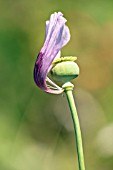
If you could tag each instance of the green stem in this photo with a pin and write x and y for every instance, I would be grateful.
(68, 87)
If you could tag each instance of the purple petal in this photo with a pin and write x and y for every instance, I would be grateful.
(57, 35)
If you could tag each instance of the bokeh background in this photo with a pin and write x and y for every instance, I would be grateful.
(36, 131)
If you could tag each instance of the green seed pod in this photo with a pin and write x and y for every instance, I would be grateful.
(64, 70)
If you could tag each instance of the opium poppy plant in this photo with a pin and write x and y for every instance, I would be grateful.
(62, 69)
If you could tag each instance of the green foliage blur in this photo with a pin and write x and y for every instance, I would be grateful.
(36, 131)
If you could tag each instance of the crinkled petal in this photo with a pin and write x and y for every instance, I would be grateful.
(57, 35)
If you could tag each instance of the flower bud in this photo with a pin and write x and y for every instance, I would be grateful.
(65, 71)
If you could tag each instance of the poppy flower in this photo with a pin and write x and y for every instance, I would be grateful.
(57, 35)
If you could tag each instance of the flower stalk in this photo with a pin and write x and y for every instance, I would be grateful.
(68, 87)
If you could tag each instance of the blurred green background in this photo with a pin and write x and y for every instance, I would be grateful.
(36, 131)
